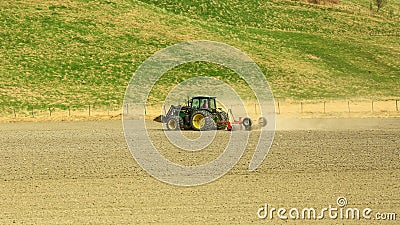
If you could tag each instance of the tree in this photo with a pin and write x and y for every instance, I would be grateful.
(380, 4)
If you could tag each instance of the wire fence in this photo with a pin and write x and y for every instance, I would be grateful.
(348, 106)
(282, 107)
(89, 110)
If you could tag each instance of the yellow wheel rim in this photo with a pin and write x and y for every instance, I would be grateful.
(198, 121)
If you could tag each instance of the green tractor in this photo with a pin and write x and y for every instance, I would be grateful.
(200, 113)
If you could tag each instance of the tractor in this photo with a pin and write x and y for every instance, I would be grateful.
(200, 113)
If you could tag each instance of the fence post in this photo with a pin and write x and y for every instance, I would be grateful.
(50, 111)
(372, 105)
(33, 113)
(15, 114)
(279, 108)
(89, 109)
(324, 107)
(397, 106)
(348, 105)
(69, 111)
(301, 107)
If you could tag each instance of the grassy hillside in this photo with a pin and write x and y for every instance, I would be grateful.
(59, 53)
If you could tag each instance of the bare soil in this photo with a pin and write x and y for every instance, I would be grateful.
(83, 173)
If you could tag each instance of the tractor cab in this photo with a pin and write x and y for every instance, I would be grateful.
(203, 102)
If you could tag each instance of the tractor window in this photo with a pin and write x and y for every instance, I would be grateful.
(204, 103)
(212, 104)
(195, 103)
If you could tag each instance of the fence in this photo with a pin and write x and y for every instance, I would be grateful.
(282, 107)
(317, 108)
(349, 106)
(71, 112)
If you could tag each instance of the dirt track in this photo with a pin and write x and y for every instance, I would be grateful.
(83, 173)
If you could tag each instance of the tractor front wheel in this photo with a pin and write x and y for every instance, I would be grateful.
(202, 120)
(173, 123)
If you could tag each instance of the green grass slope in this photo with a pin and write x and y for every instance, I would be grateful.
(60, 53)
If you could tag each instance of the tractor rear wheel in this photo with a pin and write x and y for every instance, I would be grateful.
(202, 120)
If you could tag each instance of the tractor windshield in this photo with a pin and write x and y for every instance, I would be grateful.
(204, 103)
(195, 103)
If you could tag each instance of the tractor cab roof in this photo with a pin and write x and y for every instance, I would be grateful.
(202, 96)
